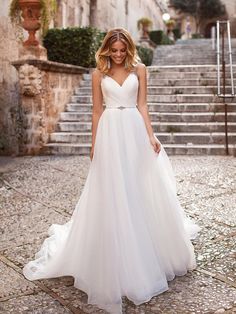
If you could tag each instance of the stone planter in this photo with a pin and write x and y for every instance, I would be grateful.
(31, 15)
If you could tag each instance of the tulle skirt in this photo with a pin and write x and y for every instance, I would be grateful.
(128, 234)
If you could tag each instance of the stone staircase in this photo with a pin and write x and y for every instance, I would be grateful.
(190, 52)
(185, 112)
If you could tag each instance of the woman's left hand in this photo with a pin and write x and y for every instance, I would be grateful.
(155, 143)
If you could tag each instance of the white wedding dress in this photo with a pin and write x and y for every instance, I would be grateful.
(128, 234)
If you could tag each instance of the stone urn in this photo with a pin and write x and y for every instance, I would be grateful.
(31, 15)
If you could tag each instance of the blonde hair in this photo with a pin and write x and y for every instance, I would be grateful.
(104, 51)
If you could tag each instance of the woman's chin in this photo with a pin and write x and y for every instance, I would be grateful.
(118, 62)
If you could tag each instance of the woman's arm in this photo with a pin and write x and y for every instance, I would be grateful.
(142, 105)
(97, 109)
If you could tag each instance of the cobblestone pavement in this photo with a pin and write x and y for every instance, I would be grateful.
(38, 191)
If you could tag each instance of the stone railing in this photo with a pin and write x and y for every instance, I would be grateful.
(45, 89)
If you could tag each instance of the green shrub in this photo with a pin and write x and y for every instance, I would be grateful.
(160, 38)
(75, 45)
(166, 40)
(156, 36)
(196, 36)
(145, 54)
(177, 33)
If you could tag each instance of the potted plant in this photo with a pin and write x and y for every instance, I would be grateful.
(32, 15)
(170, 24)
(145, 23)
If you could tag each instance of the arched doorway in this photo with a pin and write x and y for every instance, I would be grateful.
(207, 31)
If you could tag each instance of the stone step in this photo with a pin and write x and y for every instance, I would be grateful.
(157, 126)
(161, 116)
(160, 107)
(200, 41)
(185, 114)
(172, 61)
(185, 75)
(180, 53)
(167, 90)
(182, 98)
(173, 75)
(189, 82)
(184, 68)
(176, 68)
(171, 149)
(167, 138)
(175, 82)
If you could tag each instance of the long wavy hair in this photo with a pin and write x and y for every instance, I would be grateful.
(103, 53)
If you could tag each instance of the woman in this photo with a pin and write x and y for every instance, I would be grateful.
(128, 235)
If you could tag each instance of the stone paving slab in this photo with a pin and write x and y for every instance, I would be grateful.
(40, 303)
(23, 228)
(12, 283)
(38, 191)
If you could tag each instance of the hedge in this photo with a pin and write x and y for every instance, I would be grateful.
(145, 54)
(160, 38)
(78, 45)
(75, 45)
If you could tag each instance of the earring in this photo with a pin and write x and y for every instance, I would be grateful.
(108, 62)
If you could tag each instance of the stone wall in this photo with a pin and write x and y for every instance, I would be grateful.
(9, 109)
(45, 89)
(108, 14)
(72, 13)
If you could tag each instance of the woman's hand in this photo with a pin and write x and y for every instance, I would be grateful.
(91, 153)
(155, 143)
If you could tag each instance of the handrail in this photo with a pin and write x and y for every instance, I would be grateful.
(221, 30)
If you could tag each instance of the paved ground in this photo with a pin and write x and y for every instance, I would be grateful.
(38, 191)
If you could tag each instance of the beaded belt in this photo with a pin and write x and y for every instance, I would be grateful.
(120, 107)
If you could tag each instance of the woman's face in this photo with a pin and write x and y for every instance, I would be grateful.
(118, 52)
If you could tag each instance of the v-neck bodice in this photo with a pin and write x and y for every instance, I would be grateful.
(115, 95)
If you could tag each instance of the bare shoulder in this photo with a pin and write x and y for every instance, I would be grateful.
(141, 69)
(96, 75)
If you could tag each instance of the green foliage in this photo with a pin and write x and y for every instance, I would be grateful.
(212, 8)
(14, 12)
(200, 9)
(75, 45)
(144, 21)
(48, 10)
(166, 40)
(196, 36)
(160, 38)
(156, 36)
(185, 6)
(145, 54)
(170, 23)
(3, 143)
(177, 33)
